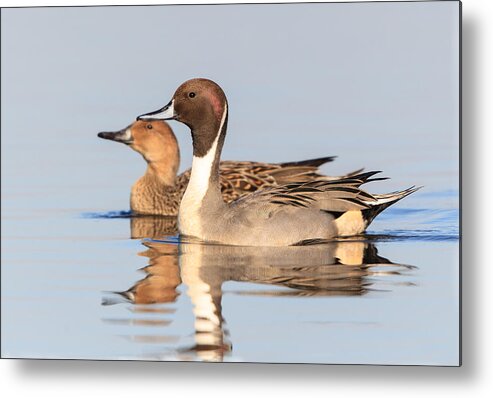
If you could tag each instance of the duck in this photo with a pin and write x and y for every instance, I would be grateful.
(296, 213)
(160, 189)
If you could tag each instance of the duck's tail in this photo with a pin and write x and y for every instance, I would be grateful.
(309, 162)
(383, 201)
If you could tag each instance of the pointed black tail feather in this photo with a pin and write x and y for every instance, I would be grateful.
(387, 200)
(309, 162)
(365, 177)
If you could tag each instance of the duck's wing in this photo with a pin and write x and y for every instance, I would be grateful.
(336, 197)
(242, 177)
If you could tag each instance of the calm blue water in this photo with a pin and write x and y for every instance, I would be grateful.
(79, 280)
(89, 291)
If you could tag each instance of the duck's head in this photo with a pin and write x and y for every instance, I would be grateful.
(154, 140)
(200, 104)
(195, 103)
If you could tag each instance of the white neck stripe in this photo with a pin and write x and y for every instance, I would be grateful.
(198, 186)
(202, 166)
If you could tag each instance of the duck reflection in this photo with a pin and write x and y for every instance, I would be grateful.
(336, 268)
(161, 280)
(152, 226)
(151, 296)
(344, 268)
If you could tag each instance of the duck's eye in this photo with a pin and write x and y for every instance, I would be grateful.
(149, 126)
(191, 95)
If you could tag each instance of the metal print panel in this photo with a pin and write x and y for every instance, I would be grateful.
(328, 234)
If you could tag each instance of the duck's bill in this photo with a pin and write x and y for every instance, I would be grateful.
(167, 112)
(124, 136)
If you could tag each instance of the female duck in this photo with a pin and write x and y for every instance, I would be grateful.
(292, 214)
(160, 190)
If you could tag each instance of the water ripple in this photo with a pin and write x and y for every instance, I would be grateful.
(109, 214)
